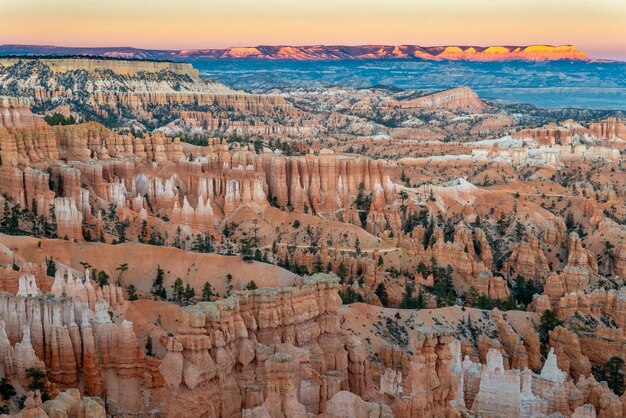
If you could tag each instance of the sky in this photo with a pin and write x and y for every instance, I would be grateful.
(595, 26)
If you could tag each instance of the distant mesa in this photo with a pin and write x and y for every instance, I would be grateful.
(323, 52)
(456, 99)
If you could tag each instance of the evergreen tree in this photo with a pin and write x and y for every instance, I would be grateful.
(121, 228)
(122, 268)
(207, 291)
(178, 241)
(10, 218)
(7, 390)
(37, 378)
(202, 244)
(51, 267)
(143, 233)
(523, 290)
(341, 272)
(189, 293)
(471, 297)
(157, 284)
(102, 278)
(520, 231)
(149, 349)
(381, 292)
(570, 224)
(611, 373)
(362, 204)
(349, 296)
(132, 292)
(409, 301)
(245, 249)
(229, 283)
(357, 246)
(178, 290)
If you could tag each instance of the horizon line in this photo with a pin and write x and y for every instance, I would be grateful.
(620, 57)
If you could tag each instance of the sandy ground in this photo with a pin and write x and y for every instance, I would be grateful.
(142, 260)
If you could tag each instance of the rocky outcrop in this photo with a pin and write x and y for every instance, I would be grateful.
(521, 393)
(57, 335)
(65, 404)
(120, 88)
(528, 260)
(68, 284)
(430, 385)
(611, 128)
(15, 114)
(346, 405)
(546, 136)
(24, 137)
(263, 334)
(619, 260)
(501, 393)
(457, 99)
(568, 351)
(70, 404)
(502, 53)
(69, 219)
(579, 256)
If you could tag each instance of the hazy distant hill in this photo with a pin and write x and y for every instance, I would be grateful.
(323, 52)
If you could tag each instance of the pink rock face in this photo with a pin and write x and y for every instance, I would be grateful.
(294, 351)
(529, 394)
(457, 99)
(568, 351)
(69, 219)
(578, 256)
(60, 338)
(528, 260)
(547, 136)
(346, 404)
(619, 257)
(280, 338)
(25, 137)
(15, 114)
(611, 128)
(70, 402)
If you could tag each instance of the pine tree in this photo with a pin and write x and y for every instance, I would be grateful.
(245, 248)
(50, 228)
(207, 291)
(610, 372)
(131, 290)
(178, 291)
(229, 284)
(569, 221)
(102, 278)
(189, 293)
(143, 233)
(10, 218)
(149, 348)
(178, 241)
(381, 292)
(157, 284)
(409, 301)
(471, 297)
(341, 272)
(51, 267)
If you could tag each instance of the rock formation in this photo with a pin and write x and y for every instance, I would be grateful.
(457, 99)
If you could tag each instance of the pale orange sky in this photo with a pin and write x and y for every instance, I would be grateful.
(596, 26)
